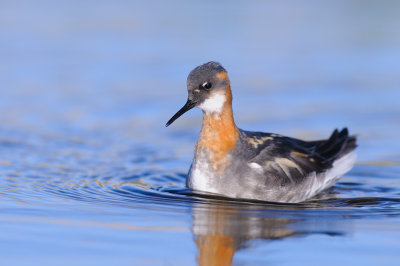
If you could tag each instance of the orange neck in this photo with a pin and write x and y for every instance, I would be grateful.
(219, 134)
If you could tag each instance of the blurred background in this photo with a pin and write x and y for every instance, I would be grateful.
(297, 67)
(86, 88)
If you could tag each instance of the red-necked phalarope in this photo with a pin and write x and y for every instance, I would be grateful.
(256, 165)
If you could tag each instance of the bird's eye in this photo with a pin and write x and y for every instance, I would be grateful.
(206, 85)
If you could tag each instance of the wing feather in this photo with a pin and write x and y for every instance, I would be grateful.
(289, 161)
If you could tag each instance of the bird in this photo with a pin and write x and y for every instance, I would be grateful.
(247, 165)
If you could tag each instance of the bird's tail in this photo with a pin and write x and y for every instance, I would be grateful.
(338, 145)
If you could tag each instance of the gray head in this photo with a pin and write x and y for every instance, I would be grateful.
(206, 85)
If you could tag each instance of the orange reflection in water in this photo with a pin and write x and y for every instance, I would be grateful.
(221, 230)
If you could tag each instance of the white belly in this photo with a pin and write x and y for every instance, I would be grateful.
(201, 178)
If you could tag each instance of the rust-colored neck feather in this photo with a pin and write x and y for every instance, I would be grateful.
(219, 134)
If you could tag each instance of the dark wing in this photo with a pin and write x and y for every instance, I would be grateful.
(291, 160)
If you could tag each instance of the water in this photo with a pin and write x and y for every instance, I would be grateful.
(90, 175)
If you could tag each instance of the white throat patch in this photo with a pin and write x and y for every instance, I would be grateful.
(213, 104)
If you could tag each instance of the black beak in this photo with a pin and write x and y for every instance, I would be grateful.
(188, 105)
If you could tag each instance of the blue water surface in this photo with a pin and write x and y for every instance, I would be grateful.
(89, 175)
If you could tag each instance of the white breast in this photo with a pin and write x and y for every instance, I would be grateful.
(200, 177)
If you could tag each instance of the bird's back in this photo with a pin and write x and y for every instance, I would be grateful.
(294, 170)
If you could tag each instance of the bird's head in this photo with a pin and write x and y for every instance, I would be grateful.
(208, 88)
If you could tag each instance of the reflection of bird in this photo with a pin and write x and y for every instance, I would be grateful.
(220, 230)
(256, 165)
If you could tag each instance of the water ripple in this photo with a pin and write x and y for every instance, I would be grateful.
(168, 191)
